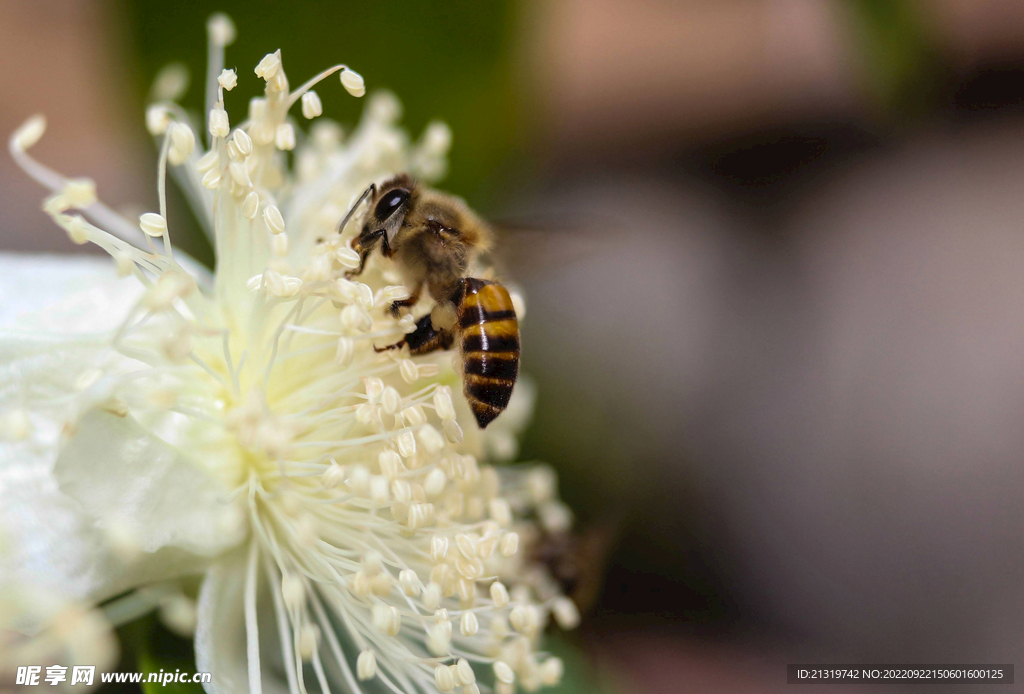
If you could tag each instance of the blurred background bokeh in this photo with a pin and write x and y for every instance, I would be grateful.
(776, 313)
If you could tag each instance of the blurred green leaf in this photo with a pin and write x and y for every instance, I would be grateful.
(582, 676)
(903, 66)
(449, 61)
(149, 647)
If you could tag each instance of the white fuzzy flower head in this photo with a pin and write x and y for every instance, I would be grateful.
(375, 545)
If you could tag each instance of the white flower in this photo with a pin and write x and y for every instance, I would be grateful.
(239, 423)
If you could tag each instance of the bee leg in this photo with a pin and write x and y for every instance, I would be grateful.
(364, 244)
(396, 306)
(423, 340)
(362, 266)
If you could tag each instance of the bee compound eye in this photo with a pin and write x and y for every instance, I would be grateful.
(391, 202)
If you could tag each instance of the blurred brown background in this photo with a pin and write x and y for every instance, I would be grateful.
(782, 341)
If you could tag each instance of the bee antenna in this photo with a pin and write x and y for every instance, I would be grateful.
(370, 191)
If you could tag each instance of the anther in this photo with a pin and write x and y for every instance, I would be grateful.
(509, 544)
(406, 443)
(278, 83)
(524, 619)
(293, 592)
(355, 319)
(158, 119)
(80, 193)
(284, 137)
(409, 582)
(438, 548)
(269, 66)
(243, 142)
(394, 293)
(402, 491)
(464, 673)
(228, 79)
(391, 400)
(308, 637)
(240, 174)
(272, 216)
(251, 205)
(414, 416)
(566, 613)
(221, 29)
(387, 619)
(437, 139)
(409, 371)
(380, 492)
(503, 673)
(542, 483)
(432, 596)
(374, 388)
(431, 440)
(555, 516)
(220, 126)
(279, 245)
(359, 479)
(435, 482)
(390, 464)
(346, 350)
(500, 511)
(153, 224)
(211, 179)
(347, 258)
(333, 475)
(353, 82)
(443, 404)
(469, 624)
(366, 665)
(453, 431)
(443, 678)
(183, 142)
(169, 287)
(551, 671)
(29, 133)
(207, 161)
(282, 286)
(311, 105)
(420, 515)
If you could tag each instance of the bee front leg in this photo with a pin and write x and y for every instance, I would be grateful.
(396, 306)
(364, 245)
(423, 340)
(362, 266)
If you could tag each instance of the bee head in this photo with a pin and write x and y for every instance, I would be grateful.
(387, 211)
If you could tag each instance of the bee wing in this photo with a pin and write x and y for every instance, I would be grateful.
(594, 550)
(577, 559)
(523, 248)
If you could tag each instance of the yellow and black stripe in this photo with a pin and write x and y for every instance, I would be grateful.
(490, 346)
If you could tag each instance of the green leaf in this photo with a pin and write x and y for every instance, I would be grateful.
(148, 662)
(155, 650)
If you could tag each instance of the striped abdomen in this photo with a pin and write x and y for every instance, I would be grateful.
(490, 346)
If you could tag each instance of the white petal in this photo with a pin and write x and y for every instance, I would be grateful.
(49, 539)
(63, 293)
(113, 476)
(45, 539)
(119, 471)
(47, 542)
(220, 630)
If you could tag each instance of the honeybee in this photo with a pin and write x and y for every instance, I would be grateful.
(433, 237)
(576, 560)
